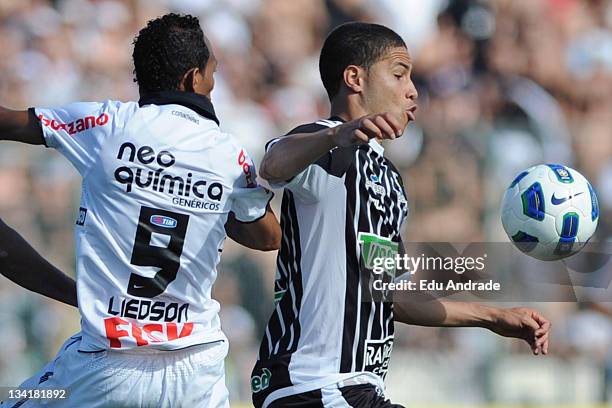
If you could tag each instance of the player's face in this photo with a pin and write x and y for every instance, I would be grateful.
(207, 82)
(389, 88)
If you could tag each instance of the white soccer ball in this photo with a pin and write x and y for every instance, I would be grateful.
(550, 211)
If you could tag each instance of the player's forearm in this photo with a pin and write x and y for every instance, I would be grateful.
(11, 122)
(441, 313)
(262, 235)
(20, 263)
(292, 154)
(468, 314)
(20, 126)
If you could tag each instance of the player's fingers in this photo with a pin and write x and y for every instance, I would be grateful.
(535, 348)
(387, 131)
(369, 128)
(543, 347)
(542, 330)
(542, 321)
(541, 339)
(394, 122)
(360, 136)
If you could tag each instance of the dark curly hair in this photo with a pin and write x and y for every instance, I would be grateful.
(353, 43)
(166, 49)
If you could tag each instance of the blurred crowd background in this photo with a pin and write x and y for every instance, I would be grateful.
(503, 84)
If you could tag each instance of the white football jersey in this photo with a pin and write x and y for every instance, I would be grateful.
(159, 179)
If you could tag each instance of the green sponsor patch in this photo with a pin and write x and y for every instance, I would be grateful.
(374, 249)
(261, 382)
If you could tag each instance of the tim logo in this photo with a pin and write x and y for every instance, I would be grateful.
(163, 221)
(377, 356)
(82, 216)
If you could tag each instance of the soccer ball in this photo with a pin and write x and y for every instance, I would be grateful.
(549, 211)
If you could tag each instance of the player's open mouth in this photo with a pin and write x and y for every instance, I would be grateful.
(410, 113)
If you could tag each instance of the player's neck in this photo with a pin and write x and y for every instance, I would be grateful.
(347, 109)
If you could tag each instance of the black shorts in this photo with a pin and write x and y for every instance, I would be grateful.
(353, 396)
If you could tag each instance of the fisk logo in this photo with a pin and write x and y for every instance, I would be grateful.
(556, 201)
(163, 221)
(261, 382)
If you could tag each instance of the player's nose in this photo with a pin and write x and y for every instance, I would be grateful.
(411, 92)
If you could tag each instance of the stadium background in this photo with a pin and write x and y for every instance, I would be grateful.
(503, 85)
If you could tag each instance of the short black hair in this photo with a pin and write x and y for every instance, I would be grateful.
(355, 43)
(167, 48)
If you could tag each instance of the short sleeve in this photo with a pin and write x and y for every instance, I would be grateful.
(249, 199)
(76, 130)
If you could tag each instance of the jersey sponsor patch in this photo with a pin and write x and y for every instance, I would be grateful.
(261, 382)
(375, 184)
(184, 188)
(163, 221)
(76, 126)
(117, 328)
(377, 356)
(375, 249)
(248, 169)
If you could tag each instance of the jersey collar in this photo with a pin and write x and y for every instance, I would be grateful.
(374, 145)
(196, 102)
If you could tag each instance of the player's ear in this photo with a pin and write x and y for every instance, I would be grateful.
(189, 82)
(353, 76)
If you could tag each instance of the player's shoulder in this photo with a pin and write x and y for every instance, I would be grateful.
(231, 153)
(104, 105)
(119, 108)
(119, 105)
(111, 111)
(227, 142)
(104, 111)
(315, 126)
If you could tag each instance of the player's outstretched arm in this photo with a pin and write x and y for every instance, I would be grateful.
(291, 154)
(20, 126)
(522, 323)
(21, 263)
(262, 235)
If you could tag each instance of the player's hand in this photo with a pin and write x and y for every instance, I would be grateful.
(358, 131)
(524, 323)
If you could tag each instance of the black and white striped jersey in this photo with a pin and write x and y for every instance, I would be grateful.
(326, 328)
